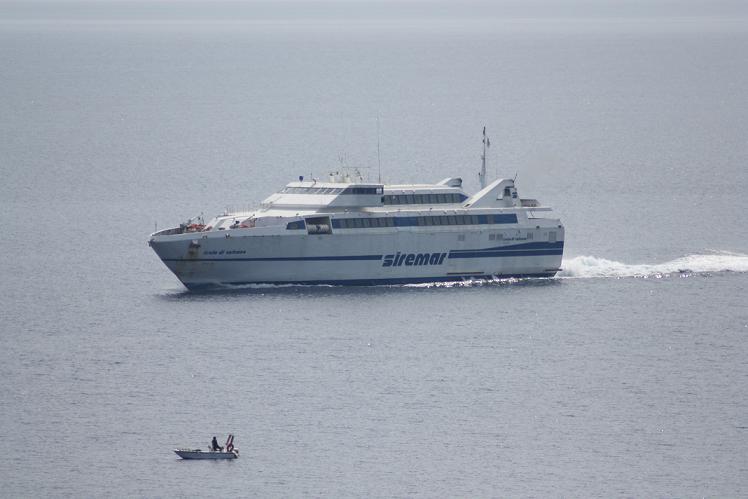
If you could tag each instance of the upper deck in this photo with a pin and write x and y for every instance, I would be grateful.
(341, 203)
(339, 194)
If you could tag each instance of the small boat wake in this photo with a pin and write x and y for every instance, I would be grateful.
(590, 266)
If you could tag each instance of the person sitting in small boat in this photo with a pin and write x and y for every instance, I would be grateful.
(214, 445)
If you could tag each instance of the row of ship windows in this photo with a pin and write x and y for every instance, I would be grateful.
(331, 190)
(449, 197)
(426, 221)
(499, 236)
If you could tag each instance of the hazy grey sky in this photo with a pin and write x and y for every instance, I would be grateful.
(365, 9)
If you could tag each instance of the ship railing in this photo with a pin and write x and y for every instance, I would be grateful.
(169, 232)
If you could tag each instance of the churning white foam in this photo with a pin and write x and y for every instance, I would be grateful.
(590, 266)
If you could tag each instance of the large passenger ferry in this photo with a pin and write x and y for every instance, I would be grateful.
(347, 231)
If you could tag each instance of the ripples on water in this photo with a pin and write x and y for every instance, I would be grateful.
(615, 378)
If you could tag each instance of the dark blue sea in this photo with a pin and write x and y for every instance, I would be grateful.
(625, 376)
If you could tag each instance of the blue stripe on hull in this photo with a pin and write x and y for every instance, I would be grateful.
(528, 249)
(277, 259)
(495, 254)
(378, 282)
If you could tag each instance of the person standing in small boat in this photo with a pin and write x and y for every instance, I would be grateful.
(214, 445)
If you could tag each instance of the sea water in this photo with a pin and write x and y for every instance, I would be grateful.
(624, 376)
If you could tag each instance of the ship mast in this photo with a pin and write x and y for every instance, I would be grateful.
(379, 161)
(482, 174)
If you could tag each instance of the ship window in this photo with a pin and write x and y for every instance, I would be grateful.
(360, 190)
(492, 237)
(366, 223)
(295, 225)
(318, 225)
(357, 223)
(530, 235)
(452, 220)
(390, 222)
(443, 220)
(421, 221)
(410, 199)
(441, 198)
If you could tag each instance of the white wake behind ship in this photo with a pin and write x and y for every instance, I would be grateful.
(345, 231)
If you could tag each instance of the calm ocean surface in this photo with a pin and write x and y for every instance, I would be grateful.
(625, 376)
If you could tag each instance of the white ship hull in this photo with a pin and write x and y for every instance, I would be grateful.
(359, 233)
(382, 256)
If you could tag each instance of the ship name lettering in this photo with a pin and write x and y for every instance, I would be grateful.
(413, 259)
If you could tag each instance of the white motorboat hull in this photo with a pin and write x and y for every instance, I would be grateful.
(199, 454)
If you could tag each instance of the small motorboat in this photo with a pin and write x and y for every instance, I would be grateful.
(214, 452)
(209, 454)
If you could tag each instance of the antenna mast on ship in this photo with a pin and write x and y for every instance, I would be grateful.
(482, 174)
(379, 161)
